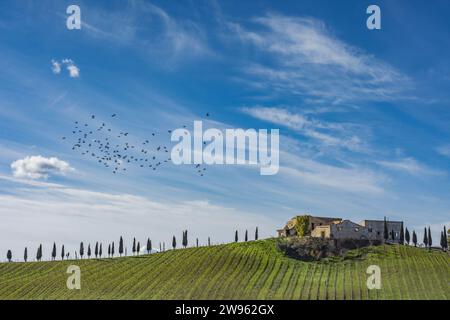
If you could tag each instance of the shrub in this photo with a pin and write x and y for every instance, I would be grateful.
(302, 225)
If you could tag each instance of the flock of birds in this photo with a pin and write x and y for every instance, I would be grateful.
(100, 142)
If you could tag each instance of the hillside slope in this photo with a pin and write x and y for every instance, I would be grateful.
(252, 270)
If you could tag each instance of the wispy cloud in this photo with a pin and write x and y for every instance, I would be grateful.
(28, 182)
(164, 34)
(327, 133)
(410, 166)
(308, 60)
(350, 178)
(444, 150)
(38, 167)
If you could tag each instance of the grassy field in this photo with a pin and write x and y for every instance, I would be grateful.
(252, 270)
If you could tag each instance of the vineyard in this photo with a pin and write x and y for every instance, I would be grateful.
(250, 270)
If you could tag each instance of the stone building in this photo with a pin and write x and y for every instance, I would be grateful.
(345, 229)
(290, 229)
(336, 228)
(377, 228)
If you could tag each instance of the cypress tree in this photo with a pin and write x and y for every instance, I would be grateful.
(385, 231)
(425, 237)
(236, 236)
(40, 252)
(185, 240)
(160, 248)
(174, 242)
(430, 240)
(164, 246)
(96, 250)
(445, 238)
(209, 241)
(134, 246)
(149, 246)
(81, 250)
(109, 250)
(407, 238)
(112, 249)
(256, 233)
(25, 254)
(197, 242)
(182, 239)
(54, 251)
(121, 246)
(9, 255)
(442, 243)
(100, 251)
(414, 238)
(37, 254)
(246, 236)
(392, 235)
(402, 235)
(138, 248)
(62, 252)
(89, 250)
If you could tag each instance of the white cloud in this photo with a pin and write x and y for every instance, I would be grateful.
(348, 179)
(74, 71)
(38, 167)
(307, 60)
(444, 150)
(56, 67)
(329, 134)
(411, 166)
(170, 37)
(29, 182)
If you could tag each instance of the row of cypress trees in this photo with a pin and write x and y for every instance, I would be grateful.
(98, 249)
(405, 237)
(236, 235)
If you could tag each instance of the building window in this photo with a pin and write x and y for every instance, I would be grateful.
(322, 234)
(370, 230)
(312, 225)
(378, 233)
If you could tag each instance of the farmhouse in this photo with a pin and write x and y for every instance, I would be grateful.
(336, 228)
(290, 229)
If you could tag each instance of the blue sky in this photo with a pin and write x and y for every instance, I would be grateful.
(363, 115)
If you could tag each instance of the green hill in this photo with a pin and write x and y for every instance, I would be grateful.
(252, 270)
